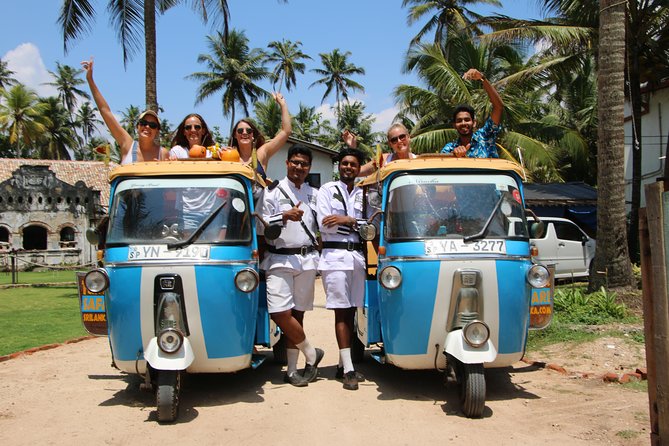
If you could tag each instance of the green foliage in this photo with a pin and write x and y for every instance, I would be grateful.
(31, 317)
(52, 276)
(599, 307)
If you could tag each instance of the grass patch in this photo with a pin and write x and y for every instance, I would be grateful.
(30, 277)
(627, 434)
(31, 317)
(638, 386)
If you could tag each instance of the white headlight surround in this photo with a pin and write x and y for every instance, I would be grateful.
(246, 280)
(97, 280)
(476, 333)
(390, 277)
(538, 276)
(170, 340)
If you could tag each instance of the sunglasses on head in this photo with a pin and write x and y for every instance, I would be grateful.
(241, 131)
(150, 124)
(193, 127)
(394, 139)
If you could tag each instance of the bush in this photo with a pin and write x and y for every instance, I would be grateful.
(600, 307)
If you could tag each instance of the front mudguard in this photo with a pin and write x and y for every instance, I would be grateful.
(457, 347)
(159, 360)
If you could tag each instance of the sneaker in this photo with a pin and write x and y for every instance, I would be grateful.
(340, 375)
(350, 381)
(295, 379)
(310, 372)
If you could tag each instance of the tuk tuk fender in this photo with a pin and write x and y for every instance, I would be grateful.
(159, 360)
(456, 346)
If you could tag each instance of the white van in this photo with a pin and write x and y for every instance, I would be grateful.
(567, 246)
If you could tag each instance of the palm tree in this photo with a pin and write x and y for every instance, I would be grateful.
(336, 74)
(6, 76)
(59, 135)
(307, 123)
(165, 133)
(446, 15)
(354, 118)
(129, 118)
(286, 54)
(234, 69)
(20, 114)
(66, 81)
(87, 121)
(612, 255)
(134, 20)
(268, 116)
(520, 86)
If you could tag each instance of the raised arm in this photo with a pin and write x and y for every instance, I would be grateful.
(493, 95)
(122, 137)
(267, 150)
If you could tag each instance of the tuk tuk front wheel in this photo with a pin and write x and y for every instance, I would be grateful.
(471, 386)
(167, 395)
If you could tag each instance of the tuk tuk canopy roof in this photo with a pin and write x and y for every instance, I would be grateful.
(191, 167)
(437, 161)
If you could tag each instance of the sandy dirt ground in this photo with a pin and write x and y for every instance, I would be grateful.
(71, 395)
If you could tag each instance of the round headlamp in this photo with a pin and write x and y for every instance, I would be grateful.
(390, 277)
(538, 276)
(476, 333)
(246, 280)
(170, 340)
(97, 280)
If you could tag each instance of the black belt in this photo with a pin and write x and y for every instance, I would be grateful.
(349, 246)
(303, 250)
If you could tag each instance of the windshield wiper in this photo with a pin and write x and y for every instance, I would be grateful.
(482, 233)
(199, 230)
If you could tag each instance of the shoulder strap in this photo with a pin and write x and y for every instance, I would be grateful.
(311, 236)
(341, 198)
(133, 151)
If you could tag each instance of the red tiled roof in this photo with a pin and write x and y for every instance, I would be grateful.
(94, 173)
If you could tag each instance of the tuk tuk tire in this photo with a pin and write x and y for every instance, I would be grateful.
(471, 381)
(279, 350)
(167, 395)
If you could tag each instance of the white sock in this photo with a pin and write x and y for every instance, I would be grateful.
(292, 354)
(308, 350)
(345, 359)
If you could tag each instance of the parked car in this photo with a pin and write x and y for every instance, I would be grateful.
(567, 246)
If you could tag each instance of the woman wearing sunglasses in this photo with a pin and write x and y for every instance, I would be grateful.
(146, 148)
(245, 134)
(192, 131)
(398, 140)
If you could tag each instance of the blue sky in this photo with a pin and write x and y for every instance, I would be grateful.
(374, 31)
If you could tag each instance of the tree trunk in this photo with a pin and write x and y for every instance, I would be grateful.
(612, 264)
(150, 48)
(635, 99)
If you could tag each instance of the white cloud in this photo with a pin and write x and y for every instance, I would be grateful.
(384, 119)
(327, 111)
(26, 62)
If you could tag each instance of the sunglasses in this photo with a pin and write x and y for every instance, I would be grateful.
(193, 127)
(241, 131)
(297, 163)
(150, 124)
(394, 139)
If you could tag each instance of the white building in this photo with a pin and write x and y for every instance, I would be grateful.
(655, 138)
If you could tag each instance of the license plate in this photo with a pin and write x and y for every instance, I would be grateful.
(458, 246)
(152, 252)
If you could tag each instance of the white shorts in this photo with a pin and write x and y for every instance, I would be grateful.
(344, 289)
(288, 289)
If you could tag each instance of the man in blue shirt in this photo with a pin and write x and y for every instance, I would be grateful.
(479, 143)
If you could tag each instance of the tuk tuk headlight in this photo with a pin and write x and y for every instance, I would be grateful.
(476, 333)
(538, 276)
(170, 340)
(246, 280)
(97, 280)
(390, 277)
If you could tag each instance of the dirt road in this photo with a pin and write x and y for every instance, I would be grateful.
(71, 395)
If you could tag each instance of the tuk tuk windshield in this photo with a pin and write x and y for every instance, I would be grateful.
(421, 206)
(167, 210)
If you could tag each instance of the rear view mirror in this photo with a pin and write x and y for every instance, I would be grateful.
(367, 232)
(272, 232)
(92, 236)
(537, 229)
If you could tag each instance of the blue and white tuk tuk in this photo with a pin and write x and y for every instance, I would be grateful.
(180, 273)
(452, 284)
